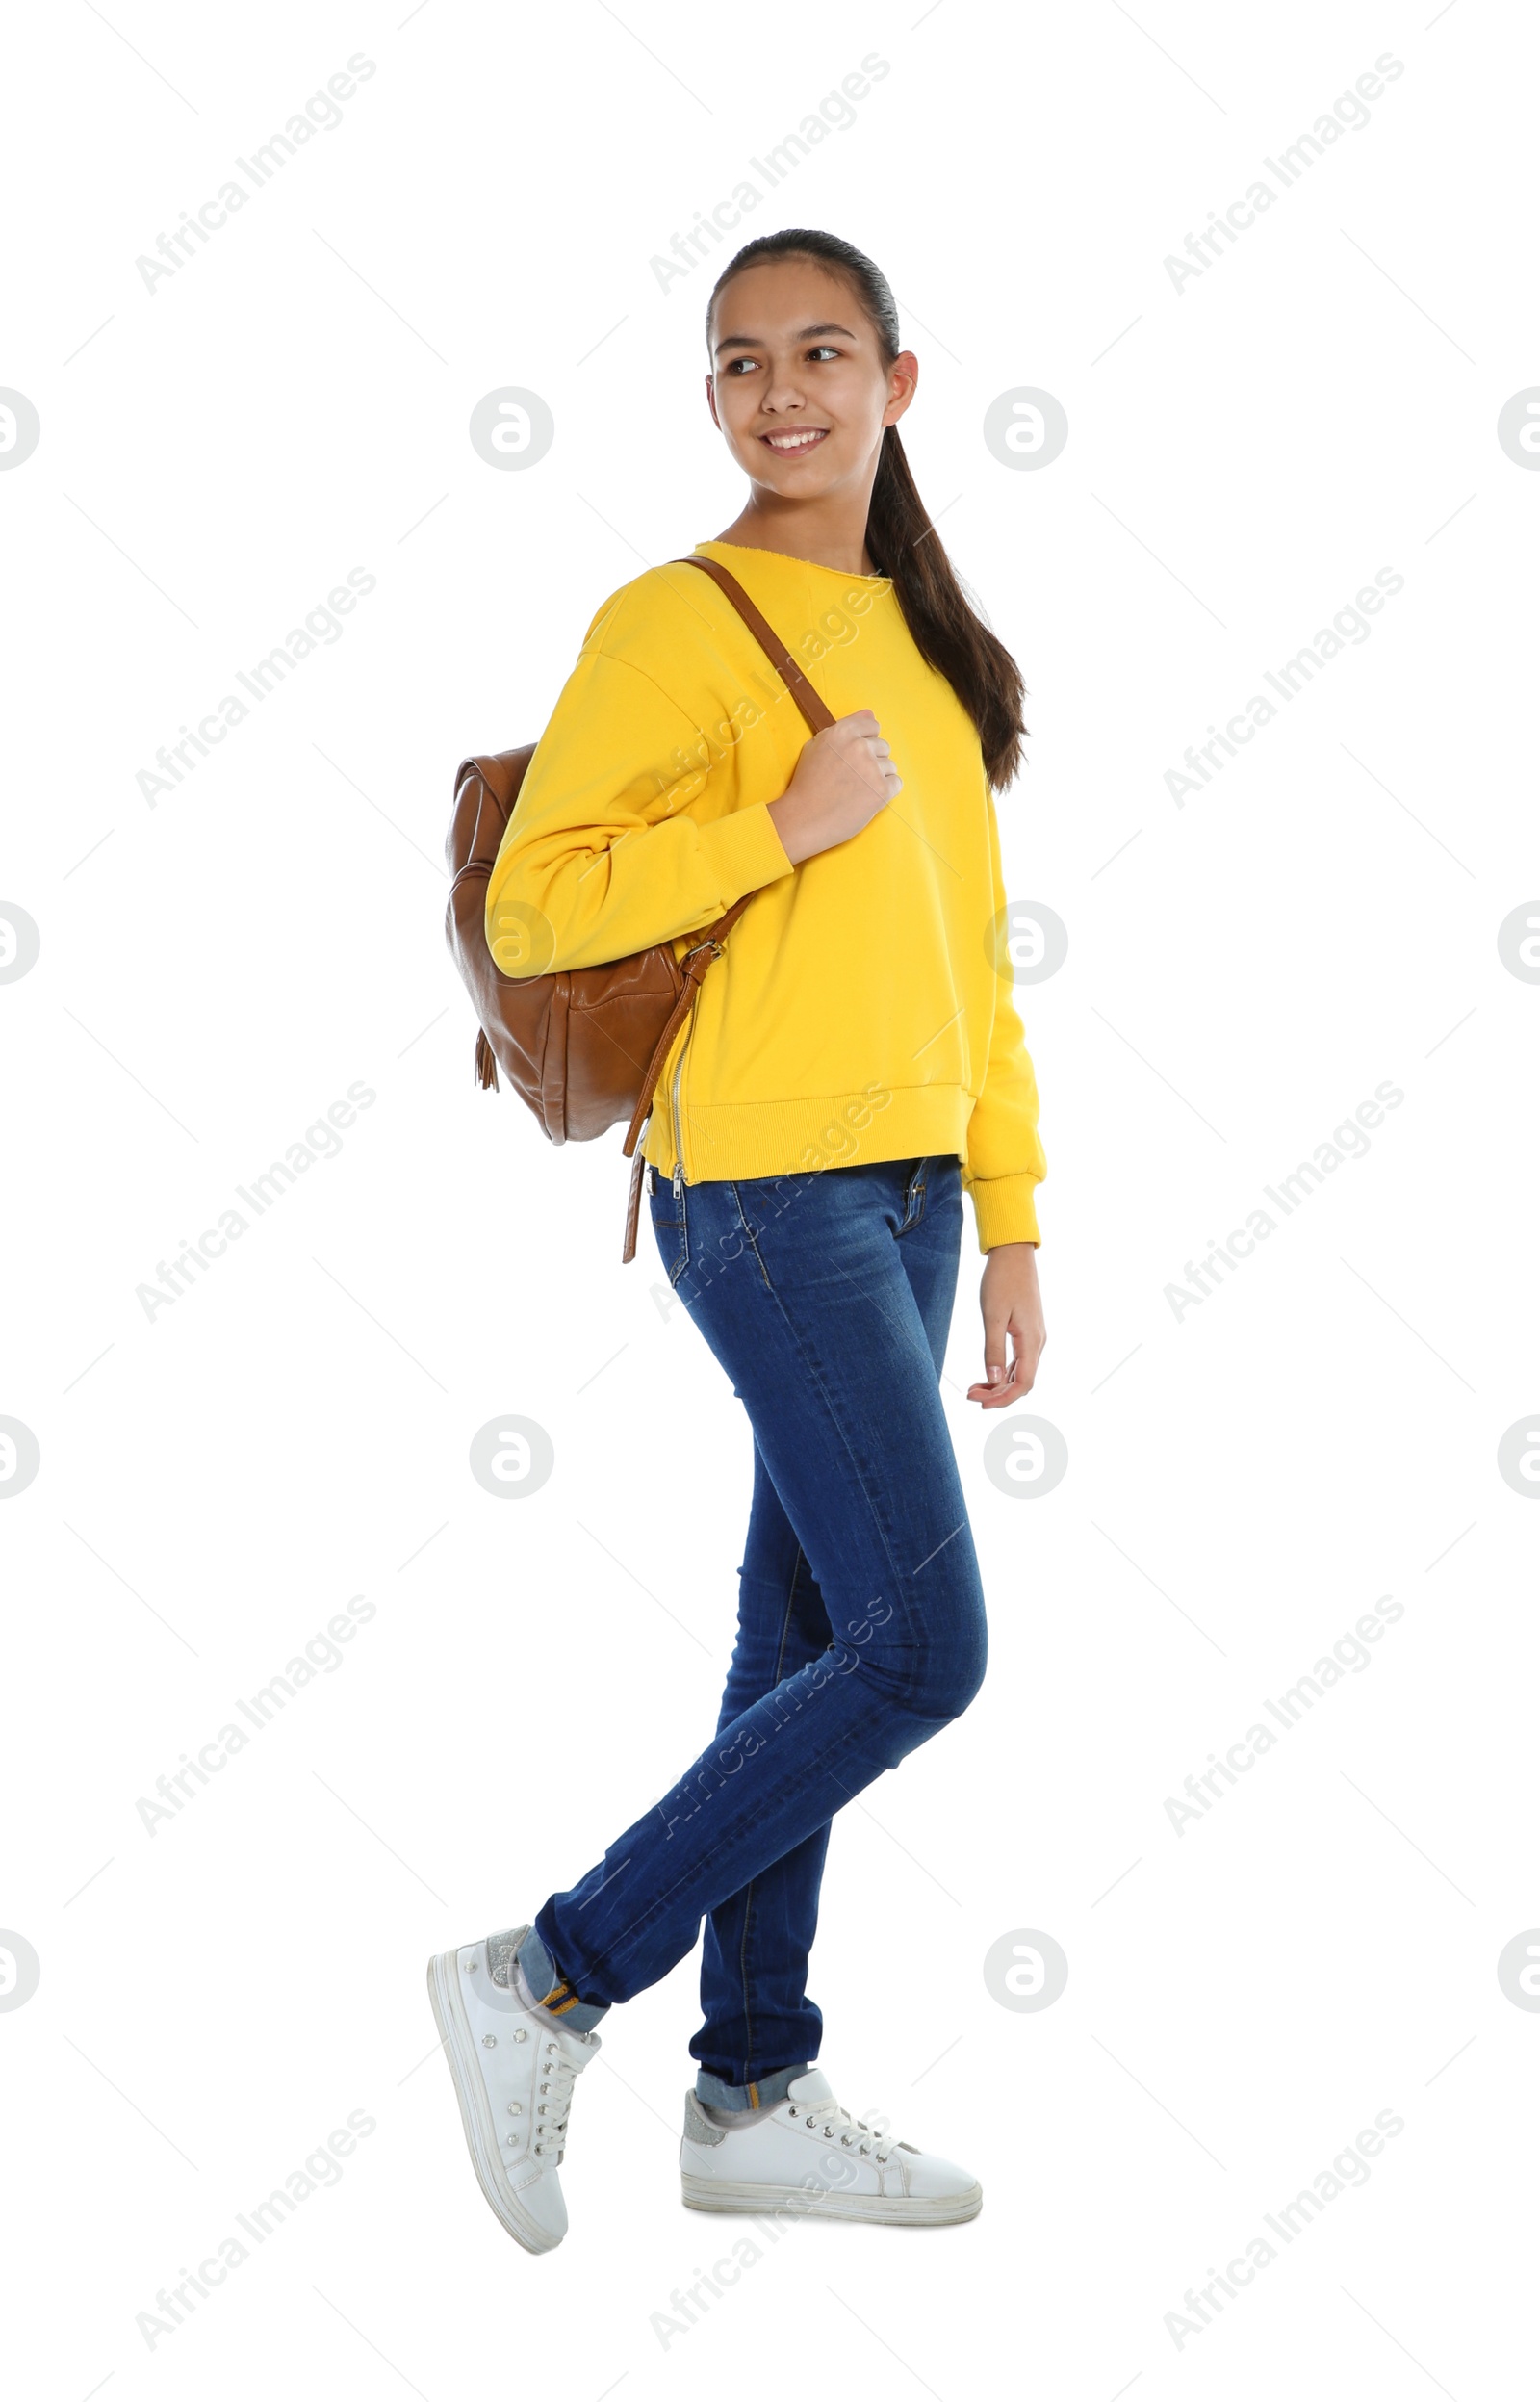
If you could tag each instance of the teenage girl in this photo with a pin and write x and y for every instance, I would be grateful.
(855, 1062)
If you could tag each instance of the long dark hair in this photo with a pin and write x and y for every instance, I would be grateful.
(948, 632)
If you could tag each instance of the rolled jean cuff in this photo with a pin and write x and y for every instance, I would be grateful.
(553, 1991)
(760, 2096)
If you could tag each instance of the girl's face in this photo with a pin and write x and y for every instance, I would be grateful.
(797, 383)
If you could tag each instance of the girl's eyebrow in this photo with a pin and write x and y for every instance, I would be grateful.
(756, 341)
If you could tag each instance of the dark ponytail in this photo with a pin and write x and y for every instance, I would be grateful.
(949, 634)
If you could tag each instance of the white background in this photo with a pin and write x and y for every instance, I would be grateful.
(1243, 455)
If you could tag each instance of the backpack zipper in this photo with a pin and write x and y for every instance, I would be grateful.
(674, 1105)
(712, 945)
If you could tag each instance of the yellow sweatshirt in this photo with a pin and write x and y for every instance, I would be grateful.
(858, 1011)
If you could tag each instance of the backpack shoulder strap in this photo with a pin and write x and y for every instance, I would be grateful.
(764, 633)
(707, 943)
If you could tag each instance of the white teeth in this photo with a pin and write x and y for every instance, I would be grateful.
(794, 442)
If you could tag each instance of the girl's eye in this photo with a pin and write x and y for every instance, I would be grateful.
(819, 350)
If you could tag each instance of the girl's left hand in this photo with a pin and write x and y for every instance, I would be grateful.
(1012, 1305)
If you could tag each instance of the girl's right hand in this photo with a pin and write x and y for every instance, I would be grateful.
(844, 775)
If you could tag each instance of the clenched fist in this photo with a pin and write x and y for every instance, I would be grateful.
(844, 775)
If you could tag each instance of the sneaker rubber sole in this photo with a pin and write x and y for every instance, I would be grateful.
(710, 2193)
(476, 2112)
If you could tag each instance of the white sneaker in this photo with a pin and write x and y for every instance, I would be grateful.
(514, 2069)
(811, 2158)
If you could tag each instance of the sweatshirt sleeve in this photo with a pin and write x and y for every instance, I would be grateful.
(1005, 1161)
(602, 855)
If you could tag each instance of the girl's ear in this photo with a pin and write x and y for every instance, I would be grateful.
(711, 401)
(902, 378)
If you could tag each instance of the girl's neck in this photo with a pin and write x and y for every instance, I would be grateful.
(830, 533)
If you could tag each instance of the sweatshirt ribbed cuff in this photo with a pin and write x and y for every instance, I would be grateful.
(1005, 1210)
(742, 851)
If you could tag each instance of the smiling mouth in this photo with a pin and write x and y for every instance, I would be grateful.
(795, 445)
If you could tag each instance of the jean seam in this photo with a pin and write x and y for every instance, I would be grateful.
(748, 1891)
(749, 1238)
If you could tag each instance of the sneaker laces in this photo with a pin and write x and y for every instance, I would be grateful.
(852, 2132)
(557, 2076)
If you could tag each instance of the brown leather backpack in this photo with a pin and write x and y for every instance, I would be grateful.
(584, 1047)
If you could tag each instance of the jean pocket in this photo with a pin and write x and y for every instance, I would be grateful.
(671, 1228)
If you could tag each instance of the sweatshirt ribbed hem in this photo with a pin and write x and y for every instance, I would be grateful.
(734, 1140)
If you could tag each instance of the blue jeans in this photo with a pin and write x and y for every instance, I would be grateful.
(827, 1298)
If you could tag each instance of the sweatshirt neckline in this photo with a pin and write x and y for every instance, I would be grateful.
(750, 550)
